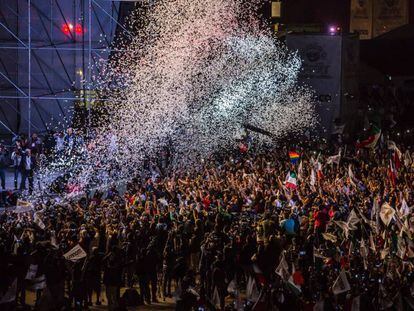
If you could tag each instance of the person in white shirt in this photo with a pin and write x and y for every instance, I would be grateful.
(16, 158)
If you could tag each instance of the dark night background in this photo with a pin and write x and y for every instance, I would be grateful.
(326, 12)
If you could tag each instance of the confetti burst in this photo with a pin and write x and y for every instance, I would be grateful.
(193, 75)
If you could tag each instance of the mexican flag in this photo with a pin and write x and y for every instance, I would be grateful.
(392, 173)
(372, 139)
(291, 180)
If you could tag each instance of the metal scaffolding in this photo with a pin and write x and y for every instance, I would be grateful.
(49, 55)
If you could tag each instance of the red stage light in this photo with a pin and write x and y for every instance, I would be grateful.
(79, 29)
(67, 28)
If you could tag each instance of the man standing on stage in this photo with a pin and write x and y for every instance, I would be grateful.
(28, 166)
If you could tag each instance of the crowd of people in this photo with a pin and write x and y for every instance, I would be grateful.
(23, 155)
(329, 228)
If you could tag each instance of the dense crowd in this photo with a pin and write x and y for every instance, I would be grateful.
(325, 230)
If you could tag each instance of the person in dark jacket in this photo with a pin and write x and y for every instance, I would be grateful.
(3, 166)
(16, 158)
(28, 165)
(92, 270)
(112, 265)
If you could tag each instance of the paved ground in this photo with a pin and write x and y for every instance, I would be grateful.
(10, 179)
(162, 305)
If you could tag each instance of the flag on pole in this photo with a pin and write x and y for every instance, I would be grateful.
(395, 153)
(329, 237)
(283, 268)
(334, 159)
(341, 284)
(392, 173)
(386, 213)
(353, 220)
(300, 171)
(313, 178)
(351, 175)
(344, 226)
(405, 209)
(375, 208)
(372, 243)
(291, 180)
(294, 157)
(319, 172)
(407, 158)
(372, 139)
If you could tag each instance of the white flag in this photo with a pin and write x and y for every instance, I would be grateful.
(31, 272)
(405, 209)
(351, 175)
(384, 252)
(386, 213)
(300, 170)
(375, 208)
(401, 248)
(407, 158)
(75, 254)
(216, 298)
(392, 146)
(23, 207)
(363, 250)
(330, 237)
(334, 159)
(232, 287)
(410, 248)
(344, 226)
(283, 268)
(313, 178)
(353, 220)
(341, 284)
(252, 292)
(38, 221)
(163, 201)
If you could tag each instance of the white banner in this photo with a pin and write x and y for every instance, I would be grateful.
(321, 69)
(75, 253)
(23, 207)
